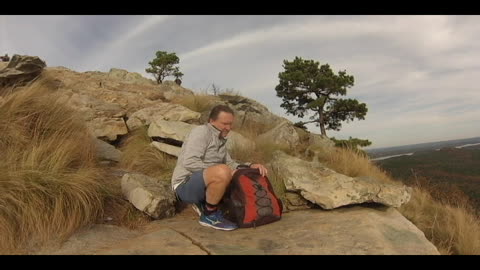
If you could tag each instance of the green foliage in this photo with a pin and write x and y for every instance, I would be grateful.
(306, 87)
(301, 125)
(164, 65)
(351, 143)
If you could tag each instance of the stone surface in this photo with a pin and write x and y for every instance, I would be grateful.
(108, 128)
(283, 134)
(155, 198)
(169, 129)
(106, 151)
(330, 189)
(167, 148)
(161, 111)
(21, 69)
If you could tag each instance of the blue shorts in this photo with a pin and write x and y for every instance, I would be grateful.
(193, 189)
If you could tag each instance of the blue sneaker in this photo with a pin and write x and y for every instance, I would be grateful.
(198, 208)
(217, 221)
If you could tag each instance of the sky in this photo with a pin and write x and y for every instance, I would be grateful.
(417, 74)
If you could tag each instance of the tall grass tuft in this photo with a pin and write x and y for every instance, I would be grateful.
(49, 179)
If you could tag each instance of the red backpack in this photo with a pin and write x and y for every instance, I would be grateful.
(251, 201)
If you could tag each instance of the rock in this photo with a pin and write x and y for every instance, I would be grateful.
(162, 242)
(354, 230)
(167, 148)
(171, 90)
(161, 111)
(295, 202)
(108, 128)
(329, 189)
(106, 151)
(317, 140)
(155, 198)
(129, 77)
(236, 139)
(169, 129)
(283, 134)
(249, 110)
(3, 65)
(88, 240)
(21, 69)
(1, 99)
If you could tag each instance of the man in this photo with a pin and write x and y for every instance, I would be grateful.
(204, 168)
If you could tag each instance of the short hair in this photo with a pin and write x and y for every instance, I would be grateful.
(217, 109)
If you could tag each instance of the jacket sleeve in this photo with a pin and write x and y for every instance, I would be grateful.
(194, 150)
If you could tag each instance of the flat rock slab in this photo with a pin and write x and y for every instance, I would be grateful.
(349, 230)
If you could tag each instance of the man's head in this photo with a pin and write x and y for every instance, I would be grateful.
(222, 118)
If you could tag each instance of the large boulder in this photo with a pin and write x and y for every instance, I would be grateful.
(283, 134)
(169, 129)
(107, 128)
(167, 148)
(155, 198)
(329, 189)
(161, 111)
(21, 69)
(129, 77)
(320, 141)
(107, 152)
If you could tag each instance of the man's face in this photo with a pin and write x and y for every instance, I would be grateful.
(223, 123)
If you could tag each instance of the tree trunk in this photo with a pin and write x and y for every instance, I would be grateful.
(322, 124)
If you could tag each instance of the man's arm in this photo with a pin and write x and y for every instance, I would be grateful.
(194, 150)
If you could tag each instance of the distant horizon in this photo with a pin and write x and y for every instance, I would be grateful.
(439, 141)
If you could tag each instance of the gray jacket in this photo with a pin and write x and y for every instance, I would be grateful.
(202, 148)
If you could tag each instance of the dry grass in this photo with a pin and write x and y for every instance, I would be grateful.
(349, 162)
(198, 102)
(49, 179)
(444, 215)
(139, 156)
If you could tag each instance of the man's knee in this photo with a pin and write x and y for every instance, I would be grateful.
(221, 173)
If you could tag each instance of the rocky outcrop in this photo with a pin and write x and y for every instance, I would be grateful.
(161, 111)
(329, 189)
(171, 90)
(169, 129)
(21, 69)
(128, 77)
(155, 198)
(283, 134)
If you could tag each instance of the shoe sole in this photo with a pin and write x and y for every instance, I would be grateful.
(218, 228)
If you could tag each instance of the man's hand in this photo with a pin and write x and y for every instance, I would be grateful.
(260, 167)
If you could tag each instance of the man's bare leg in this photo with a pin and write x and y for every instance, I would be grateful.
(216, 178)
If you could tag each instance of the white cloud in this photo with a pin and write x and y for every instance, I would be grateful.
(417, 74)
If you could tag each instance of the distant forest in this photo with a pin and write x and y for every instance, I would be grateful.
(445, 168)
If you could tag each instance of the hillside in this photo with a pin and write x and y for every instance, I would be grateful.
(88, 157)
